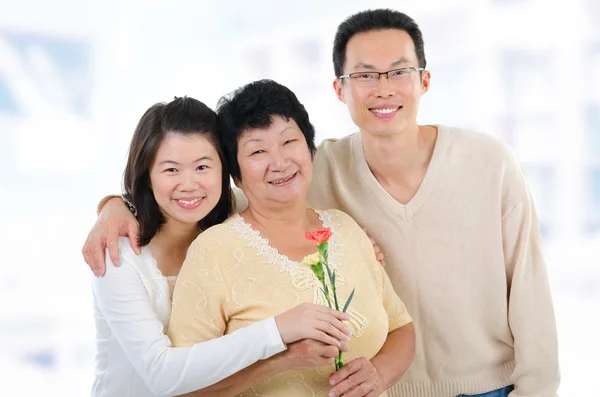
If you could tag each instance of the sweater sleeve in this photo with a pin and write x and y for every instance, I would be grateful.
(530, 309)
(127, 308)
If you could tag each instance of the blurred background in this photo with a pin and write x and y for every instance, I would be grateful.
(75, 77)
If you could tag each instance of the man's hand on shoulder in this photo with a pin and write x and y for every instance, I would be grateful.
(115, 219)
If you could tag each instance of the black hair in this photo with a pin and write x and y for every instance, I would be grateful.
(253, 106)
(373, 20)
(185, 116)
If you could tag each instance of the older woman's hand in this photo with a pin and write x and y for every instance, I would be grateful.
(309, 354)
(310, 321)
(358, 378)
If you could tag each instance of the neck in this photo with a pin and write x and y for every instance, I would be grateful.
(292, 216)
(174, 238)
(396, 156)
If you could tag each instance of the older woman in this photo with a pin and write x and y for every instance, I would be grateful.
(248, 268)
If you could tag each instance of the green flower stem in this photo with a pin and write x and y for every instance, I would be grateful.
(339, 362)
(322, 248)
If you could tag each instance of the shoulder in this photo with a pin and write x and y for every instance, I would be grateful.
(335, 153)
(214, 240)
(133, 270)
(336, 144)
(334, 149)
(128, 259)
(490, 158)
(479, 145)
(336, 219)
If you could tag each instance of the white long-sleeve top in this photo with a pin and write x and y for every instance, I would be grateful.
(132, 305)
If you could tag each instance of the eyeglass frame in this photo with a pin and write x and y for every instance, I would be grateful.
(349, 75)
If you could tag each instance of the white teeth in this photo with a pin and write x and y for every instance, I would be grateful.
(194, 201)
(280, 181)
(385, 111)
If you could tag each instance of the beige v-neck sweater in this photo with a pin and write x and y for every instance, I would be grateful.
(464, 255)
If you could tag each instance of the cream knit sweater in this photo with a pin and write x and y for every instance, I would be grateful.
(465, 257)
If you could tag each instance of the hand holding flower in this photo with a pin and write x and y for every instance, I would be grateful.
(318, 262)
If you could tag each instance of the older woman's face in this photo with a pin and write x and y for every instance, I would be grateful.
(275, 163)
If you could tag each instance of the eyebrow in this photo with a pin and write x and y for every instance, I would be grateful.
(362, 65)
(289, 127)
(176, 163)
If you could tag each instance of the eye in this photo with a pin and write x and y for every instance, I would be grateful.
(364, 76)
(202, 167)
(257, 152)
(400, 73)
(170, 170)
(289, 141)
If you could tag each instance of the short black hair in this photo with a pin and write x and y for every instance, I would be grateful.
(186, 116)
(373, 20)
(253, 106)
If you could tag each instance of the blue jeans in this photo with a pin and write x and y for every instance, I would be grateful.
(494, 393)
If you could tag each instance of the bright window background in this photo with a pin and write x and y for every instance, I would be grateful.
(75, 76)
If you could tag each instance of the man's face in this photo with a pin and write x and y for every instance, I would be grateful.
(388, 107)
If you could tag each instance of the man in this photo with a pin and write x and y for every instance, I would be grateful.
(451, 211)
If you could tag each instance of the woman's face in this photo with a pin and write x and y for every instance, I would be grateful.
(275, 163)
(185, 177)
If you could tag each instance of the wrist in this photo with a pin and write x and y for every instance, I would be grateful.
(385, 381)
(104, 201)
(277, 364)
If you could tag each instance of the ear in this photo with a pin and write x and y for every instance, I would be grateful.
(338, 86)
(425, 81)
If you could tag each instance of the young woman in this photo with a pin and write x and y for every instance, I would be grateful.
(179, 184)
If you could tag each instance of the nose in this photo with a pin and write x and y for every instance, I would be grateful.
(189, 181)
(385, 88)
(279, 160)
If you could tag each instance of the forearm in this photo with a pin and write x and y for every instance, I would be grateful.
(395, 355)
(242, 380)
(104, 201)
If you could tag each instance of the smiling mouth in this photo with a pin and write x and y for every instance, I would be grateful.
(385, 110)
(283, 180)
(190, 202)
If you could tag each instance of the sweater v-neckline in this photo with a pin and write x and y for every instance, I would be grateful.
(404, 211)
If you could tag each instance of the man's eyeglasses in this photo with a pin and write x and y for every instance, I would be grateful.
(370, 79)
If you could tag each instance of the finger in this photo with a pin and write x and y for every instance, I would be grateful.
(324, 362)
(334, 328)
(341, 388)
(87, 257)
(355, 385)
(326, 339)
(99, 265)
(381, 258)
(328, 351)
(112, 237)
(332, 312)
(133, 231)
(344, 347)
(84, 252)
(344, 372)
(360, 390)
